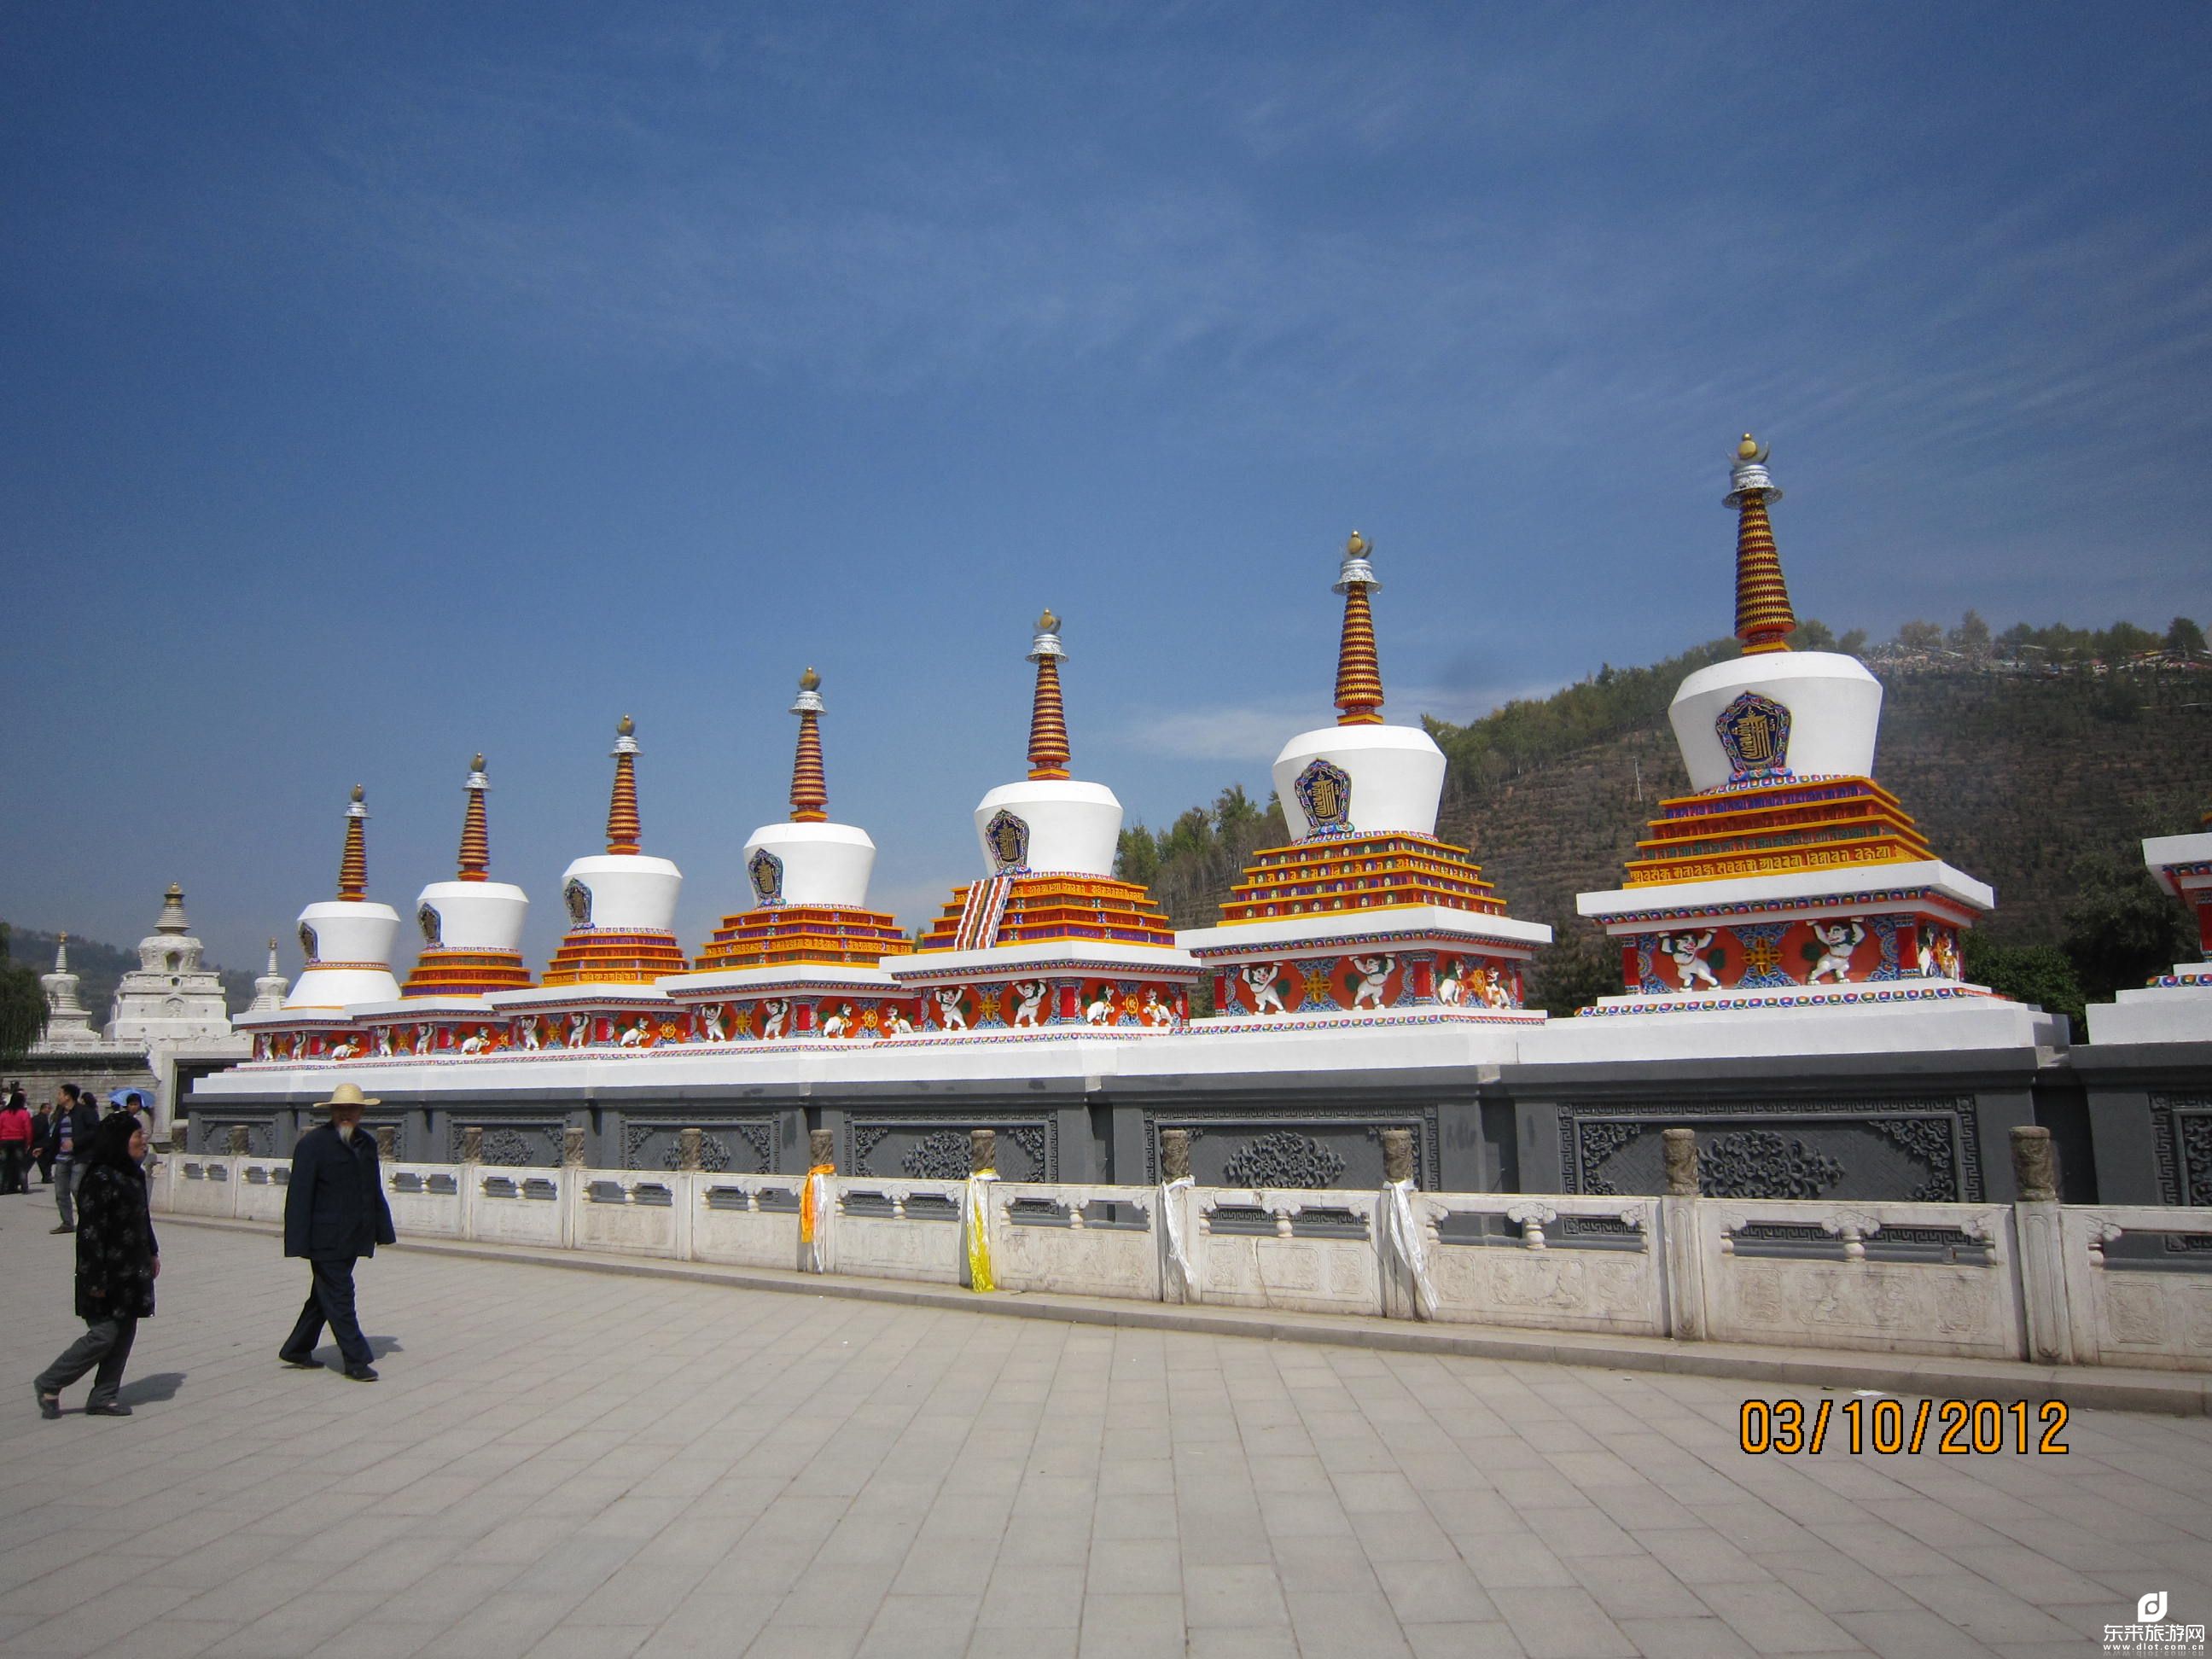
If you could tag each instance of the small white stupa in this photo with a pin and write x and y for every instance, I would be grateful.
(802, 961)
(268, 989)
(471, 926)
(1049, 936)
(598, 987)
(68, 1025)
(347, 940)
(1366, 917)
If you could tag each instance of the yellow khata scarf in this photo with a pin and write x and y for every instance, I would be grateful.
(979, 1231)
(809, 1218)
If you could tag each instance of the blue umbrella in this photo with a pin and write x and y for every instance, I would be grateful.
(128, 1097)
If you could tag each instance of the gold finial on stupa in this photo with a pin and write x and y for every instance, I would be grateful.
(809, 787)
(476, 837)
(477, 765)
(623, 826)
(1049, 750)
(1764, 620)
(1358, 670)
(353, 865)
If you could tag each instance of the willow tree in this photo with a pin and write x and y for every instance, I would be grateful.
(22, 1006)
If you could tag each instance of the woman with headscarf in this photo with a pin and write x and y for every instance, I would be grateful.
(118, 1260)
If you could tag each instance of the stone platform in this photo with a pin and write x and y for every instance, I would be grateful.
(559, 1463)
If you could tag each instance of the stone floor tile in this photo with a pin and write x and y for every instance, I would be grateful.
(1243, 1642)
(1915, 1633)
(1561, 1624)
(1215, 1596)
(1508, 1561)
(1029, 1596)
(1773, 1618)
(591, 1642)
(1434, 1593)
(1686, 1638)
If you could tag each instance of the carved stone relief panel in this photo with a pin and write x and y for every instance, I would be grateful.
(1923, 1150)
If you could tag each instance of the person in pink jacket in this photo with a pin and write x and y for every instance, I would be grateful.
(15, 1144)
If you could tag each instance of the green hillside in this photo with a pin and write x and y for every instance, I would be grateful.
(99, 967)
(2036, 759)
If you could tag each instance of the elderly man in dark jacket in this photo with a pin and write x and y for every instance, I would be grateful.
(334, 1214)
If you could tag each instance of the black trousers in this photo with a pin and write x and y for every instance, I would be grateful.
(15, 1163)
(330, 1301)
(106, 1343)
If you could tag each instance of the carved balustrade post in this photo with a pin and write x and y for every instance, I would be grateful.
(1175, 1155)
(1679, 1148)
(387, 1143)
(983, 1151)
(472, 1144)
(687, 1144)
(1397, 1155)
(572, 1147)
(1680, 1237)
(240, 1143)
(820, 1148)
(2042, 1248)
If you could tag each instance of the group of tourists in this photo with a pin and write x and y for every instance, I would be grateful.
(335, 1212)
(54, 1139)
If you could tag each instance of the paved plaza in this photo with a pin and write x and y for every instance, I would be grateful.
(566, 1463)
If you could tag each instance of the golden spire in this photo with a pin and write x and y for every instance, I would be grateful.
(810, 790)
(1358, 670)
(476, 840)
(353, 868)
(1049, 753)
(623, 827)
(1764, 620)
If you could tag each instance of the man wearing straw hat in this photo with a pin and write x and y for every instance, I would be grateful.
(334, 1214)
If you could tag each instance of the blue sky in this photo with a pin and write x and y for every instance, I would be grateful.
(388, 382)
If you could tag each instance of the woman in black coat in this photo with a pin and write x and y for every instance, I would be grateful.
(118, 1260)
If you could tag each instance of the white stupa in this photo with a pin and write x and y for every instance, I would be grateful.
(68, 1025)
(800, 960)
(347, 940)
(1366, 917)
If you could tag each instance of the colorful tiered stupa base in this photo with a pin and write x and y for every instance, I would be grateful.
(441, 972)
(1347, 926)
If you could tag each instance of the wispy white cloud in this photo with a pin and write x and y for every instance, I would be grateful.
(1254, 731)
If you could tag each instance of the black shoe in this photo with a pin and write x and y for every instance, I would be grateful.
(61, 1230)
(50, 1405)
(360, 1374)
(116, 1409)
(305, 1363)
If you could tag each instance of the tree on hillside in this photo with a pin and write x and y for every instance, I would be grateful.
(2124, 640)
(1578, 966)
(2040, 974)
(1813, 635)
(1852, 642)
(1970, 637)
(2122, 929)
(1918, 635)
(23, 1005)
(2185, 636)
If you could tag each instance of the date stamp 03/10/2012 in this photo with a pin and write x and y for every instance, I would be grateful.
(1886, 1426)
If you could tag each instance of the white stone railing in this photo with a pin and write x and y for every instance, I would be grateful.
(2036, 1281)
